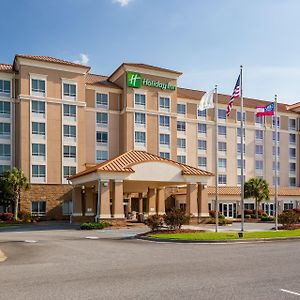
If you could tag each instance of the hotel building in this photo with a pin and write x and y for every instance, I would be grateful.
(57, 119)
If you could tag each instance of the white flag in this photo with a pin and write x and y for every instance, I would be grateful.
(207, 101)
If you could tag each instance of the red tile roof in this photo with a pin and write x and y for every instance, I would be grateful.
(6, 68)
(99, 80)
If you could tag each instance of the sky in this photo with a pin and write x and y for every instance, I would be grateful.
(207, 40)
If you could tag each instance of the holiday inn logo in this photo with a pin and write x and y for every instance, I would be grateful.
(134, 80)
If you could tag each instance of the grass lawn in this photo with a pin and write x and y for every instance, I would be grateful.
(219, 236)
(8, 224)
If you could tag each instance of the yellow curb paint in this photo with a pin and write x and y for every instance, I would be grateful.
(2, 256)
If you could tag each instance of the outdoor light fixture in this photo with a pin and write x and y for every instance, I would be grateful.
(105, 184)
(83, 189)
(204, 186)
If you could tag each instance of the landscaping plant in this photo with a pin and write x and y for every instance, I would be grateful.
(94, 225)
(155, 222)
(175, 218)
(288, 219)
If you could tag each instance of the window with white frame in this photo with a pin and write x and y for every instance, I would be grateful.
(181, 143)
(181, 159)
(288, 205)
(164, 121)
(4, 109)
(140, 118)
(202, 161)
(202, 113)
(38, 208)
(292, 167)
(69, 151)
(239, 179)
(38, 128)
(238, 132)
(274, 150)
(274, 165)
(38, 107)
(222, 114)
(222, 146)
(274, 136)
(181, 126)
(222, 130)
(38, 150)
(69, 90)
(70, 110)
(164, 155)
(38, 171)
(222, 178)
(292, 153)
(181, 108)
(70, 131)
(4, 88)
(259, 150)
(259, 120)
(202, 128)
(4, 168)
(140, 137)
(292, 181)
(239, 148)
(238, 116)
(38, 86)
(222, 163)
(101, 155)
(102, 137)
(202, 145)
(67, 208)
(164, 103)
(5, 130)
(292, 138)
(292, 124)
(164, 139)
(69, 171)
(102, 100)
(102, 118)
(239, 163)
(274, 180)
(259, 165)
(140, 100)
(259, 134)
(5, 152)
(274, 121)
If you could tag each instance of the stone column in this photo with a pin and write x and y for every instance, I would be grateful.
(151, 201)
(105, 200)
(191, 200)
(203, 200)
(140, 206)
(160, 201)
(117, 199)
(76, 199)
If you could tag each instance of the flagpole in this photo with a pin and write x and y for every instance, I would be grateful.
(276, 171)
(216, 159)
(242, 150)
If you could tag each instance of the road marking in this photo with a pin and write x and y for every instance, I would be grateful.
(92, 237)
(290, 292)
(30, 241)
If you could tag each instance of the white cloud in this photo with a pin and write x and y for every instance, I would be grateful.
(84, 59)
(122, 2)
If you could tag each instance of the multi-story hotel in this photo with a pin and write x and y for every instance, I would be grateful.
(57, 119)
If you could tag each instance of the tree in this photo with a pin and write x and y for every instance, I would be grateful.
(258, 189)
(16, 181)
(6, 194)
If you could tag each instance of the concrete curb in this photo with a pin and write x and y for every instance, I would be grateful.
(237, 241)
(2, 257)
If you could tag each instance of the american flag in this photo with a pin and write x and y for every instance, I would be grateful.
(236, 94)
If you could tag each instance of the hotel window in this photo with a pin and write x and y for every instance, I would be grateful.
(181, 126)
(259, 149)
(202, 113)
(222, 114)
(287, 205)
(181, 143)
(222, 163)
(69, 171)
(164, 103)
(4, 168)
(222, 130)
(239, 163)
(102, 118)
(239, 179)
(102, 137)
(292, 181)
(222, 178)
(38, 208)
(140, 100)
(292, 153)
(202, 128)
(69, 110)
(292, 138)
(5, 152)
(164, 139)
(164, 155)
(5, 130)
(238, 116)
(274, 164)
(164, 121)
(274, 136)
(222, 147)
(38, 128)
(38, 171)
(259, 134)
(239, 148)
(140, 118)
(274, 180)
(259, 165)
(102, 100)
(274, 149)
(101, 155)
(239, 130)
(4, 88)
(38, 150)
(292, 168)
(38, 86)
(140, 137)
(4, 109)
(202, 145)
(70, 131)
(202, 162)
(181, 109)
(259, 120)
(249, 206)
(69, 151)
(38, 107)
(70, 90)
(181, 159)
(274, 121)
(292, 124)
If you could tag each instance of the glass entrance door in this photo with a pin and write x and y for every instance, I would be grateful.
(269, 208)
(228, 210)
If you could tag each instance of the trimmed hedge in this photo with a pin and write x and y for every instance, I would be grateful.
(94, 225)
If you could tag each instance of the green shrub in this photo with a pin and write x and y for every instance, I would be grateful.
(24, 216)
(248, 216)
(222, 222)
(221, 217)
(253, 216)
(288, 218)
(175, 218)
(94, 225)
(266, 218)
(154, 222)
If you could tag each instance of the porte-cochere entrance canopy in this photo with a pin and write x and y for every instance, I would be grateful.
(100, 190)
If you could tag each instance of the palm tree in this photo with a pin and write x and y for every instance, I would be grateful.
(16, 181)
(258, 189)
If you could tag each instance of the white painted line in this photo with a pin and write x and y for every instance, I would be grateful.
(92, 237)
(30, 241)
(290, 292)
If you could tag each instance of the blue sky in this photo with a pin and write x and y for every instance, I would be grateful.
(207, 40)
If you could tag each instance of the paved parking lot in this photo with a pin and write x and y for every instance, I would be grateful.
(109, 264)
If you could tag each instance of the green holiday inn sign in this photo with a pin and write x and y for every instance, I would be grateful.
(135, 80)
